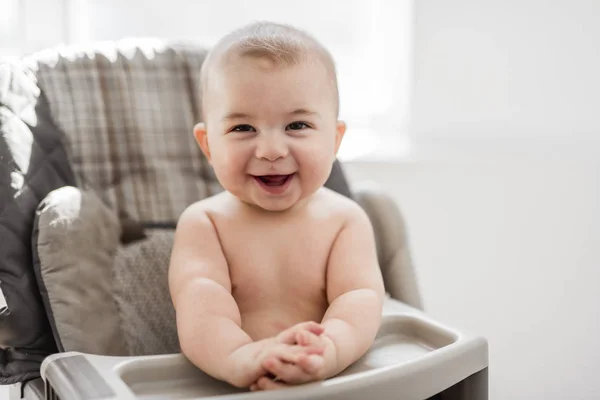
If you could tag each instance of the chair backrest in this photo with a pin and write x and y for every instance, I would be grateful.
(128, 109)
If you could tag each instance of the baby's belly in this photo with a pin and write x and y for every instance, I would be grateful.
(260, 320)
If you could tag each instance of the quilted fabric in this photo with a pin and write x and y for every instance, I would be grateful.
(33, 162)
(142, 295)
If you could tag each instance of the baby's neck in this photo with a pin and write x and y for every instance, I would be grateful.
(259, 211)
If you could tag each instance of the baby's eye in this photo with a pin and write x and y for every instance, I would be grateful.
(242, 128)
(297, 126)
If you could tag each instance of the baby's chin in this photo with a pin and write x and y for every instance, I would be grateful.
(270, 205)
(279, 205)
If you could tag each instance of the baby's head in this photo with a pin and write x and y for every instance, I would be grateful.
(270, 107)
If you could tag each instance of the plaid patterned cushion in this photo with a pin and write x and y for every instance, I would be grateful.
(128, 109)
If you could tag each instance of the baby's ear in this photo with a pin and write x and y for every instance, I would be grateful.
(202, 139)
(340, 130)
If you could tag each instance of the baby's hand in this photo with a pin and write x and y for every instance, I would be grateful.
(291, 366)
(304, 334)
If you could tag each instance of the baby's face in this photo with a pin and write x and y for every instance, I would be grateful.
(271, 132)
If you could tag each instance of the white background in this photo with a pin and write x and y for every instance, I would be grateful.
(502, 190)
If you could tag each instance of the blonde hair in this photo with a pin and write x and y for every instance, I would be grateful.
(281, 44)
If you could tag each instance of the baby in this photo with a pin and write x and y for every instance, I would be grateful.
(275, 281)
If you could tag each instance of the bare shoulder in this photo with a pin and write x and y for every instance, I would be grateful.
(353, 262)
(205, 207)
(342, 207)
(196, 249)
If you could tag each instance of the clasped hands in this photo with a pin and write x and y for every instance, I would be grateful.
(300, 354)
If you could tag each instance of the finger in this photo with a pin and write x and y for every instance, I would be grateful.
(311, 364)
(316, 349)
(254, 387)
(313, 327)
(288, 336)
(289, 373)
(268, 384)
(308, 339)
(291, 354)
(303, 338)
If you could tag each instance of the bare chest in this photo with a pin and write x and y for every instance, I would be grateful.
(276, 262)
(277, 272)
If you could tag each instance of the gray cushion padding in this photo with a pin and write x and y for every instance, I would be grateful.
(102, 297)
(77, 237)
(142, 294)
(337, 180)
(33, 162)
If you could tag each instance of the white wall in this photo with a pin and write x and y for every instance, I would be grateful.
(507, 68)
(502, 190)
(508, 248)
(30, 25)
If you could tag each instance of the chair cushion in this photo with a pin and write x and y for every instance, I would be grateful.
(337, 181)
(128, 109)
(142, 294)
(76, 238)
(102, 297)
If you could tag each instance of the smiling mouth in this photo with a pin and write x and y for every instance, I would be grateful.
(274, 180)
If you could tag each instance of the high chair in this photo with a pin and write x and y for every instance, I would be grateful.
(97, 162)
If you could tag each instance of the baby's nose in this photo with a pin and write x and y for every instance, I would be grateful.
(272, 147)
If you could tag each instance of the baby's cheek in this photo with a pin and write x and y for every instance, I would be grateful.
(228, 174)
(319, 166)
(232, 163)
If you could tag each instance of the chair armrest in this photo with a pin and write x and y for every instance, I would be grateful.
(392, 244)
(81, 376)
(72, 376)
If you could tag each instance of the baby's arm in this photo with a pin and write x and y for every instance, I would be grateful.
(355, 293)
(208, 318)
